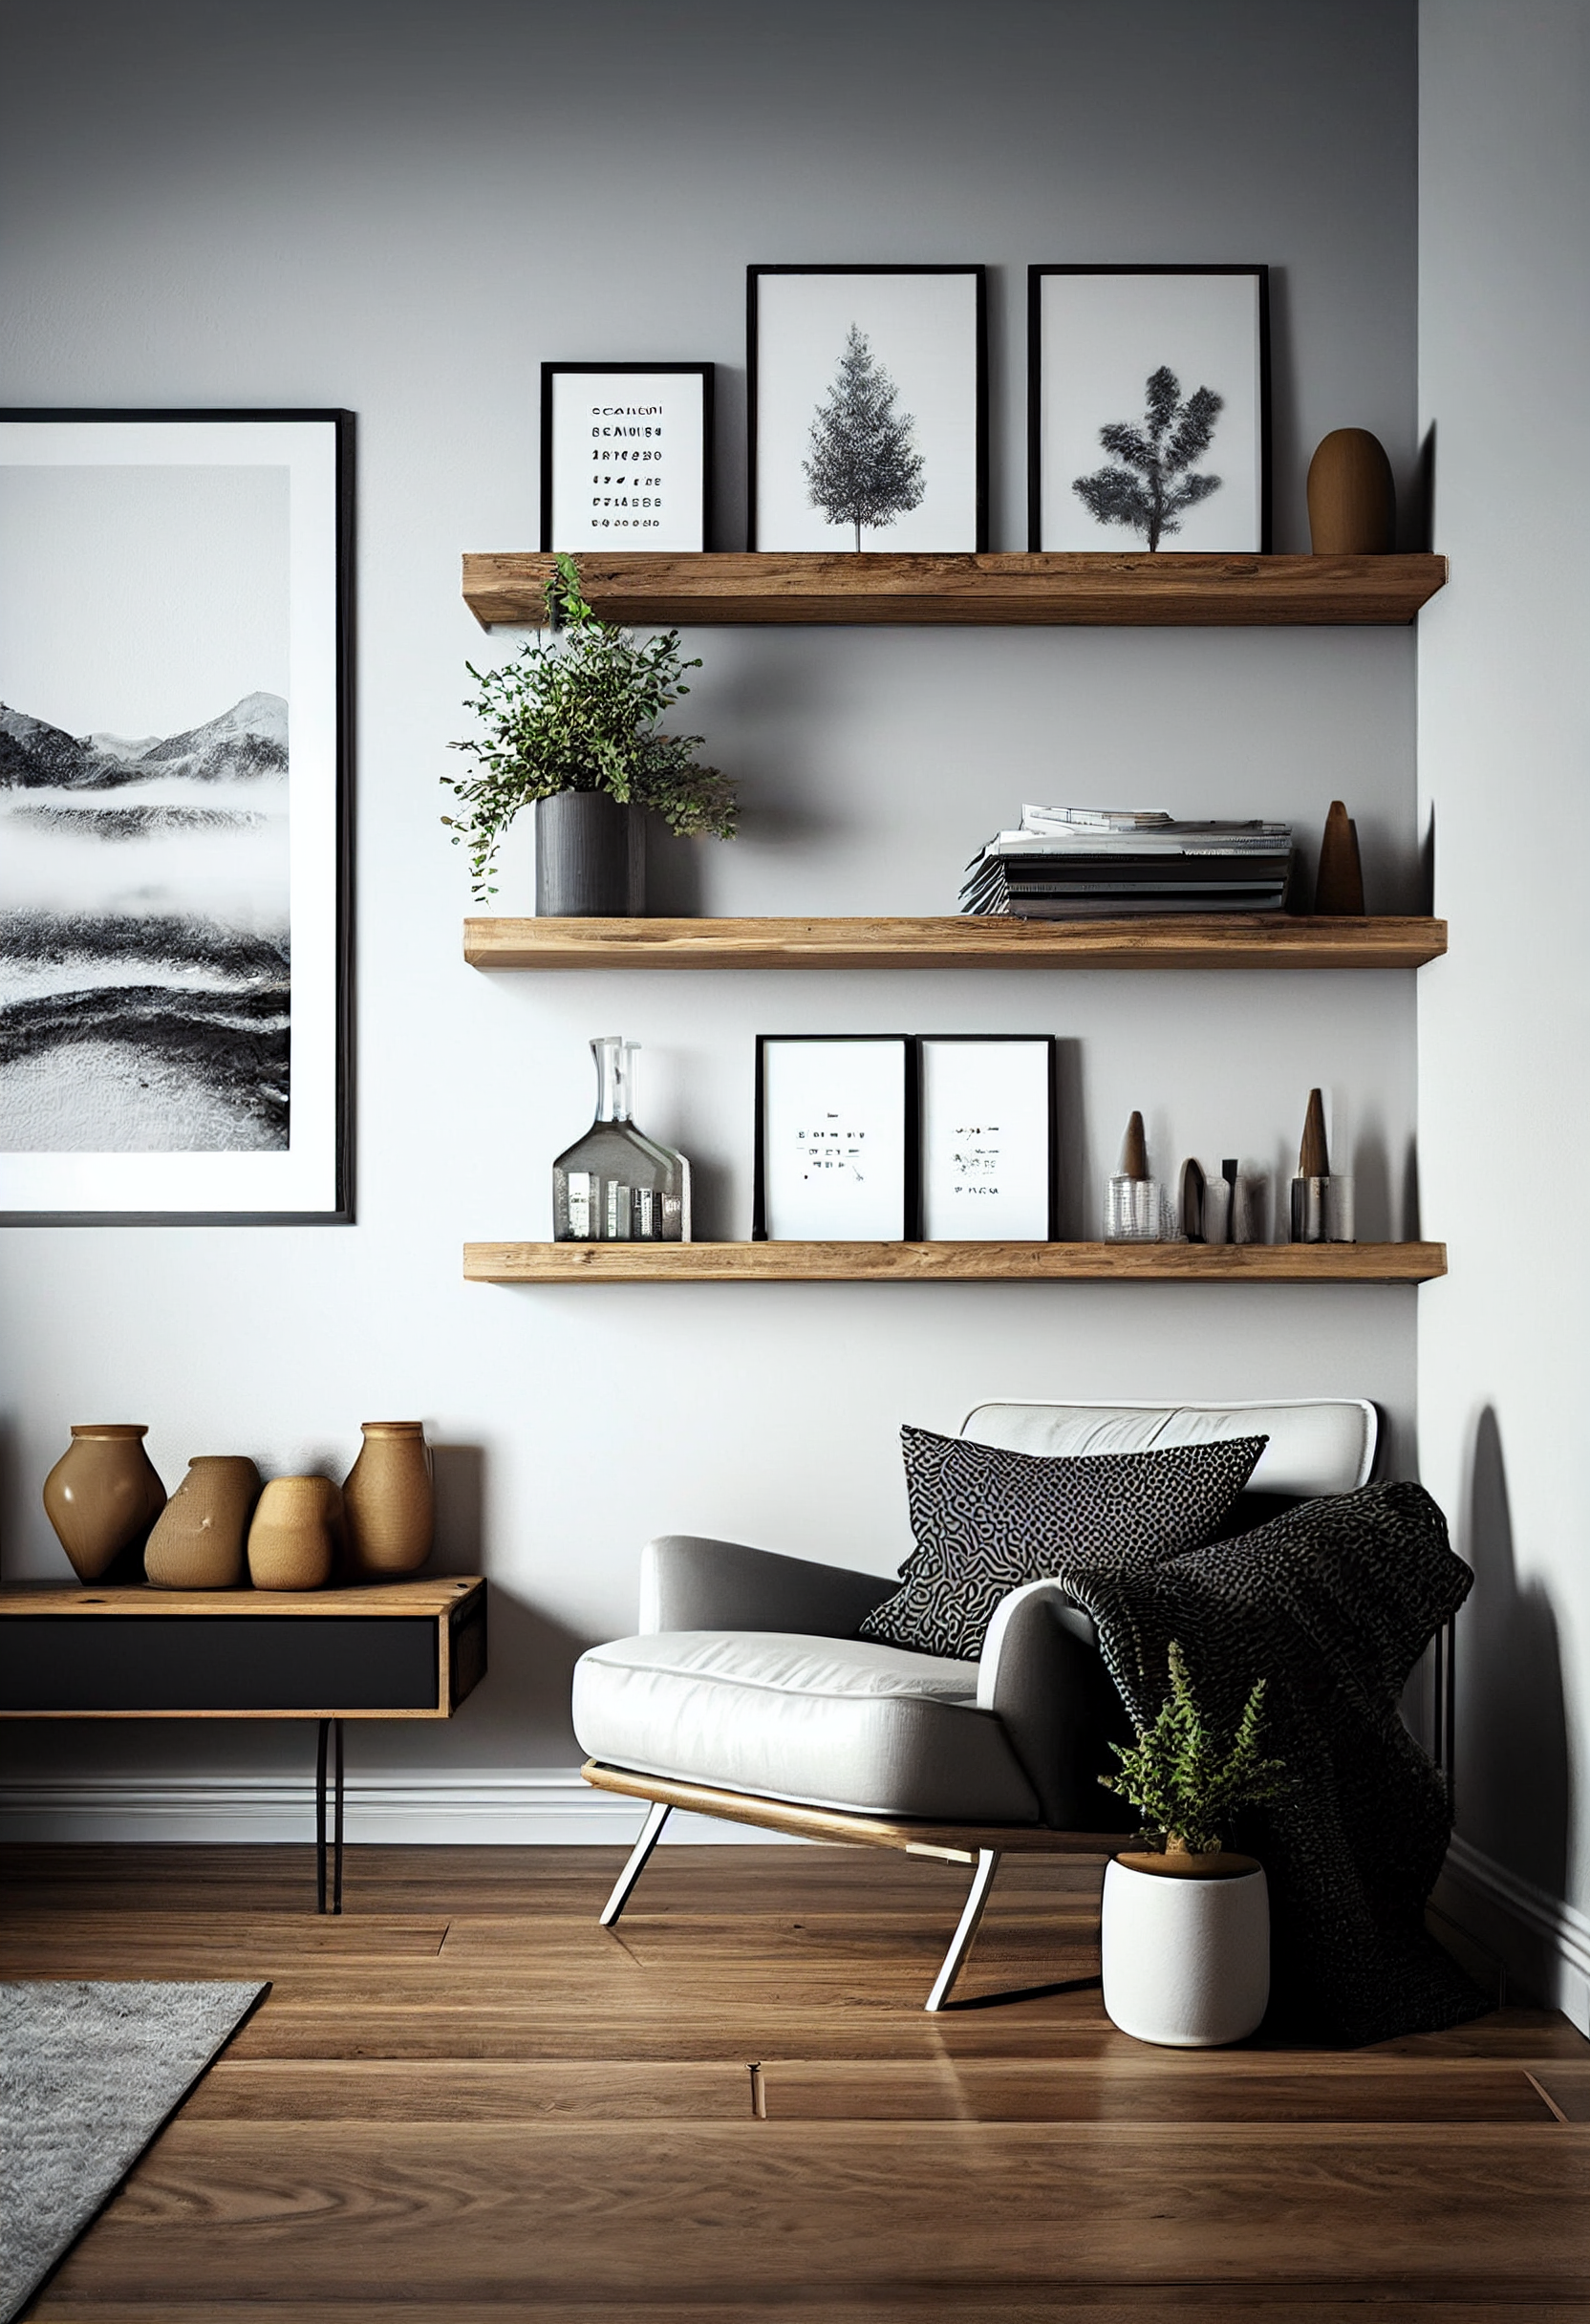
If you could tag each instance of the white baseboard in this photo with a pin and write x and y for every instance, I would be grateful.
(1544, 1941)
(548, 1807)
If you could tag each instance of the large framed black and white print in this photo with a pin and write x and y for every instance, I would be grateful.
(986, 1113)
(869, 407)
(835, 1151)
(626, 456)
(173, 784)
(1148, 408)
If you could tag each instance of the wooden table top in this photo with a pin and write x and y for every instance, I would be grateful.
(431, 1597)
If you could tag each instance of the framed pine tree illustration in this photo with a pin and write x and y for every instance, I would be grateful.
(1148, 408)
(868, 408)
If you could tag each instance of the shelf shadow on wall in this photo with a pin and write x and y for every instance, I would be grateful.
(1513, 1786)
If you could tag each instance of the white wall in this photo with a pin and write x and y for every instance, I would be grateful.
(403, 208)
(1504, 1024)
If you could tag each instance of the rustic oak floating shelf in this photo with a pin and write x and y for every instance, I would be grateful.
(1090, 590)
(1232, 940)
(952, 1263)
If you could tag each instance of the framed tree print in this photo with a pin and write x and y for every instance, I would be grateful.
(986, 1114)
(869, 407)
(174, 907)
(626, 456)
(1148, 408)
(835, 1151)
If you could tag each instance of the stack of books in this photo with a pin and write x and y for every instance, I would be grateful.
(1076, 863)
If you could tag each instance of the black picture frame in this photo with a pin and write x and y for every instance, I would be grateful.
(1050, 1167)
(628, 535)
(1037, 276)
(319, 592)
(756, 525)
(909, 1141)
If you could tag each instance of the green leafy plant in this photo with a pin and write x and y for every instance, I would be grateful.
(1180, 1780)
(578, 711)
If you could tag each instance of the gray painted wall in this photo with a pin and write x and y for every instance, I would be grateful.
(403, 208)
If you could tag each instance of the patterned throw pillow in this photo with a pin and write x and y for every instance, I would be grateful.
(986, 1520)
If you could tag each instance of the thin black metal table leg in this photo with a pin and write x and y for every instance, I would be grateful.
(320, 1817)
(336, 1827)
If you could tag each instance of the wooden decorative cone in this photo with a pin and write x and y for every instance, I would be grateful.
(389, 1501)
(296, 1534)
(1313, 1154)
(101, 1497)
(198, 1542)
(1134, 1151)
(1338, 890)
(1352, 501)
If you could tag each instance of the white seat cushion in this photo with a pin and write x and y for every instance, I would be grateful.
(831, 1722)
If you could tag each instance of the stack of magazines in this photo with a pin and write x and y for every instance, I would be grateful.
(1075, 863)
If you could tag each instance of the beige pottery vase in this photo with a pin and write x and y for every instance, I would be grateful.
(295, 1534)
(101, 1497)
(390, 1502)
(197, 1543)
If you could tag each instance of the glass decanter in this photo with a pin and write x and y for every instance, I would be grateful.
(614, 1184)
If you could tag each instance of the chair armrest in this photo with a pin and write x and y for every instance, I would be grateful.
(688, 1582)
(1042, 1676)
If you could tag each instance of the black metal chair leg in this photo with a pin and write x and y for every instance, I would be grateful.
(320, 1817)
(336, 1827)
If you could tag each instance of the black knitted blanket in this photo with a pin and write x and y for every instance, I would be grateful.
(1332, 1603)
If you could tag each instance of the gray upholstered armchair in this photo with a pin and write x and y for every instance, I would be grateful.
(747, 1694)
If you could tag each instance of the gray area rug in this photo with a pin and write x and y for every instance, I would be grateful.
(88, 2073)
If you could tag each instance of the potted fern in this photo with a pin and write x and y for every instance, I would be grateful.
(1185, 1934)
(572, 726)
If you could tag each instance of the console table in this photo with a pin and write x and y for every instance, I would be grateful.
(384, 1650)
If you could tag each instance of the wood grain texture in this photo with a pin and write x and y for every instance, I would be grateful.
(1089, 590)
(953, 1262)
(1256, 941)
(440, 1597)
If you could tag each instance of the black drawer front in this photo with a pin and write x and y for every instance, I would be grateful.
(204, 1662)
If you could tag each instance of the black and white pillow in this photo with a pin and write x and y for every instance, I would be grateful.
(987, 1520)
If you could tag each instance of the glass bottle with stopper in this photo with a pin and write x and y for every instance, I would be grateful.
(1322, 1198)
(1131, 1198)
(615, 1184)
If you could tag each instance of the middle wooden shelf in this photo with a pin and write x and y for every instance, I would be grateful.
(959, 1262)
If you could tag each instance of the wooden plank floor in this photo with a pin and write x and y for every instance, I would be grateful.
(466, 2102)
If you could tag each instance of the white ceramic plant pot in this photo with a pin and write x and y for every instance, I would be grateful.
(1186, 1955)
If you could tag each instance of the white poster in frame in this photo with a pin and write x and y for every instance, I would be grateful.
(626, 453)
(1149, 391)
(868, 408)
(986, 1113)
(173, 856)
(833, 1139)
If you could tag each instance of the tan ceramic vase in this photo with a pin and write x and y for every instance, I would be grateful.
(295, 1534)
(390, 1503)
(197, 1543)
(1352, 501)
(101, 1497)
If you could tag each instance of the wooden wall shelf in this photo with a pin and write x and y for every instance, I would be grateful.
(952, 1263)
(1261, 941)
(1092, 590)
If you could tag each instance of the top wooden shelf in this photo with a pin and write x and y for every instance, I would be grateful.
(1079, 591)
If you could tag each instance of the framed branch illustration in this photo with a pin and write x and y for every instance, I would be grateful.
(1148, 408)
(869, 407)
(626, 456)
(174, 938)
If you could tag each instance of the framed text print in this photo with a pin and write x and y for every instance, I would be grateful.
(626, 455)
(835, 1139)
(986, 1107)
(173, 802)
(869, 407)
(1148, 408)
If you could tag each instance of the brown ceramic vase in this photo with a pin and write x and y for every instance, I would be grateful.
(1352, 501)
(295, 1534)
(197, 1543)
(101, 1497)
(390, 1503)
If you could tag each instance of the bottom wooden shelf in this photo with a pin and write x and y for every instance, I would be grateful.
(952, 1263)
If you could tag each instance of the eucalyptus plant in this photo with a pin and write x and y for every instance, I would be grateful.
(1180, 1779)
(578, 710)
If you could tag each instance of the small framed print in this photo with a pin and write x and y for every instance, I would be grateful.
(626, 456)
(835, 1139)
(987, 1134)
(869, 407)
(1148, 408)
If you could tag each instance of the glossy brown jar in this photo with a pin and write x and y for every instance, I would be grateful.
(101, 1497)
(198, 1542)
(390, 1503)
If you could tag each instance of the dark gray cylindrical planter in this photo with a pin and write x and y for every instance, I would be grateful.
(589, 857)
